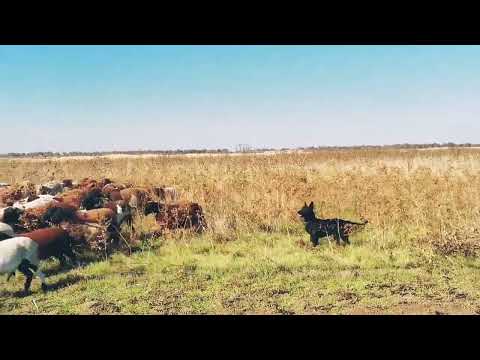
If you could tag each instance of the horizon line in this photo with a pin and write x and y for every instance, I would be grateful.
(241, 148)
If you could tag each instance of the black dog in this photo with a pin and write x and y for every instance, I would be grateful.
(319, 228)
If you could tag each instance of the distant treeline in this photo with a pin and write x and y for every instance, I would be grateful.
(394, 146)
(246, 150)
(104, 153)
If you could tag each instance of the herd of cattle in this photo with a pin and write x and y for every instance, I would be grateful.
(38, 222)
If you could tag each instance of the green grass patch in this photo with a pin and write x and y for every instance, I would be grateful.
(261, 273)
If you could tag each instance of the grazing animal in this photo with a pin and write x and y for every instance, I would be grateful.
(55, 215)
(42, 201)
(97, 216)
(93, 199)
(135, 197)
(106, 216)
(112, 191)
(319, 228)
(123, 212)
(39, 217)
(77, 196)
(10, 215)
(21, 253)
(52, 242)
(50, 188)
(71, 199)
(6, 231)
(88, 184)
(180, 215)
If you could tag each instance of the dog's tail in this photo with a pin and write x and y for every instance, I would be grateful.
(365, 222)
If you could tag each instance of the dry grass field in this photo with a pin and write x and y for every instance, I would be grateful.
(418, 254)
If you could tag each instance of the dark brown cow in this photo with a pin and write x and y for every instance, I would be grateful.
(77, 196)
(180, 215)
(94, 199)
(52, 242)
(58, 213)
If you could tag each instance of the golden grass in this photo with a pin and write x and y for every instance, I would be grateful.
(407, 195)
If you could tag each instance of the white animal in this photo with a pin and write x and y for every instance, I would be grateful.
(21, 253)
(43, 200)
(6, 230)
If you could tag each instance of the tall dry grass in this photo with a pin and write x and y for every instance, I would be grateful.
(424, 196)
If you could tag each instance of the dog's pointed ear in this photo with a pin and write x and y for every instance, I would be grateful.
(311, 205)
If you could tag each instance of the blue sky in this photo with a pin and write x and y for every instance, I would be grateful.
(97, 98)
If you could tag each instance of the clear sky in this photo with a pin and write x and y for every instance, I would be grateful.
(100, 98)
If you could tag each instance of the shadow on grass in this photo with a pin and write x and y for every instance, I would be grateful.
(69, 280)
(84, 260)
